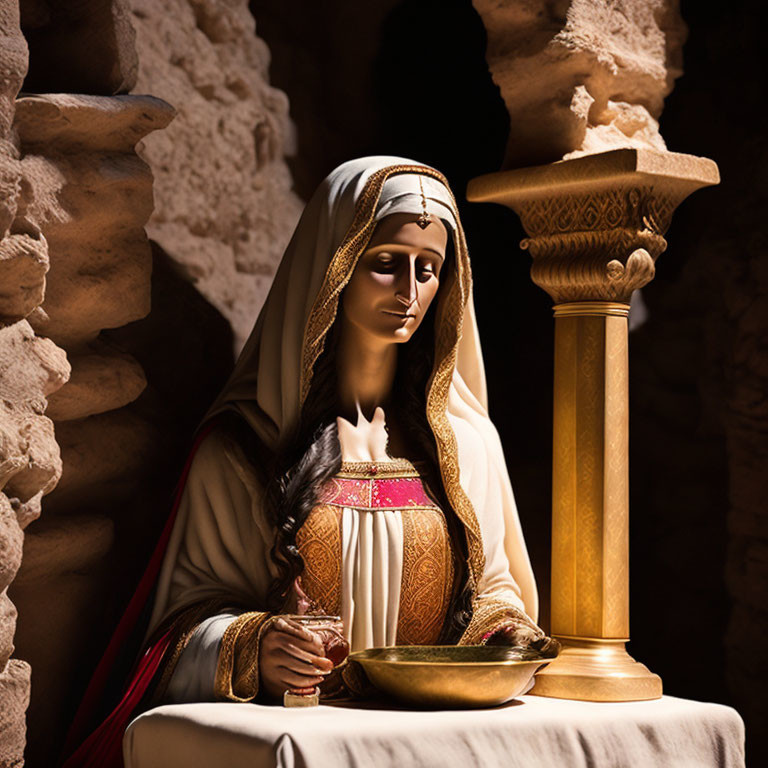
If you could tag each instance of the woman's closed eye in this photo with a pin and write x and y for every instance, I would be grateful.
(426, 269)
(385, 263)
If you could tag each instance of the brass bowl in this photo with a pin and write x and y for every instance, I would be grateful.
(450, 676)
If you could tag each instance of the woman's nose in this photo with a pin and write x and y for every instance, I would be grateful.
(407, 285)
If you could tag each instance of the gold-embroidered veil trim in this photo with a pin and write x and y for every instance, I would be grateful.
(448, 327)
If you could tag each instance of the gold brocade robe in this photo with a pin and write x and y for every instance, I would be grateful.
(426, 565)
(343, 552)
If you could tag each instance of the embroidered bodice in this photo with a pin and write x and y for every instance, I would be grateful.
(377, 552)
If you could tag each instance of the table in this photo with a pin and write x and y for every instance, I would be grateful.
(529, 731)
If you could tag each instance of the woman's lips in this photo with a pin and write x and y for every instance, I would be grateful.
(397, 314)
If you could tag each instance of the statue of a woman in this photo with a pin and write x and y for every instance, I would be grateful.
(349, 463)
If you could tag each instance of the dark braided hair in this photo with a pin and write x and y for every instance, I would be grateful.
(294, 475)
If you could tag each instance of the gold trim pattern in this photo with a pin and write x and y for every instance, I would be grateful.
(448, 325)
(320, 547)
(364, 470)
(493, 613)
(591, 309)
(427, 577)
(237, 669)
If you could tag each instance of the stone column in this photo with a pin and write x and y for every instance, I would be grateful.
(595, 225)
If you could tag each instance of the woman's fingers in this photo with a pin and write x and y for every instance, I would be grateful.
(290, 627)
(290, 679)
(311, 647)
(292, 657)
(298, 649)
(299, 661)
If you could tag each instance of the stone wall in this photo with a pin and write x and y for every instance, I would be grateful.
(90, 195)
(31, 369)
(224, 206)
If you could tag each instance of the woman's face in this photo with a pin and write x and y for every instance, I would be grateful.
(396, 278)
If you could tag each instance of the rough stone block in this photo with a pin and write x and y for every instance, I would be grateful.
(31, 368)
(102, 380)
(90, 195)
(10, 183)
(75, 123)
(582, 76)
(82, 302)
(30, 456)
(7, 627)
(13, 61)
(103, 456)
(69, 573)
(55, 546)
(14, 700)
(23, 265)
(224, 205)
(11, 543)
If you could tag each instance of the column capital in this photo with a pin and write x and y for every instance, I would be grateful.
(596, 223)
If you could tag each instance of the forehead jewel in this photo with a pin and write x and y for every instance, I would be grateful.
(423, 220)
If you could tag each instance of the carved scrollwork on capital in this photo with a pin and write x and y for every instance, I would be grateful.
(596, 246)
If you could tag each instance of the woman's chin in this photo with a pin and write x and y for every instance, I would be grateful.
(399, 334)
(402, 334)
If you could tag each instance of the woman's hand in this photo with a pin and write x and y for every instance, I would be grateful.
(524, 636)
(291, 656)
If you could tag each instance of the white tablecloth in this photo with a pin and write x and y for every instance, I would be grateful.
(531, 731)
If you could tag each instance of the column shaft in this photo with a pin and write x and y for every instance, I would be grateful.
(590, 502)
